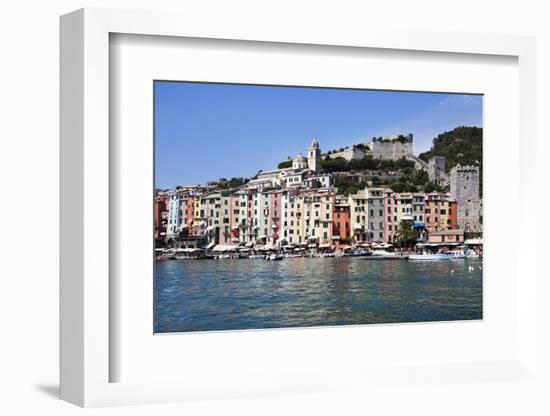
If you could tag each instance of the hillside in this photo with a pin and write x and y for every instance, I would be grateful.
(462, 145)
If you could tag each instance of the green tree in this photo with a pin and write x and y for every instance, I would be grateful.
(285, 164)
(462, 145)
(405, 234)
(433, 187)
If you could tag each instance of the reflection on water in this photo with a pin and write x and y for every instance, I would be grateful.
(206, 295)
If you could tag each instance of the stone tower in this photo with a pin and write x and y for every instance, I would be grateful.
(314, 156)
(465, 190)
(436, 169)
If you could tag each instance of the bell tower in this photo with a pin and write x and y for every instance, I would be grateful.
(314, 156)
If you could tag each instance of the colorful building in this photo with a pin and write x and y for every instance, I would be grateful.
(341, 224)
(375, 211)
(161, 216)
(358, 216)
(440, 212)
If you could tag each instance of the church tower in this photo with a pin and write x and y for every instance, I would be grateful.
(314, 156)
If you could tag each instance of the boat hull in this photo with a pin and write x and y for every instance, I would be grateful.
(430, 257)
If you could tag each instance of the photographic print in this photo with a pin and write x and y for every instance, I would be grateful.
(288, 206)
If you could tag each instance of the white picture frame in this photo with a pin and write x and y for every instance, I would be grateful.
(86, 356)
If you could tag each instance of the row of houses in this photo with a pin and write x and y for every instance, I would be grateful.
(298, 204)
(193, 217)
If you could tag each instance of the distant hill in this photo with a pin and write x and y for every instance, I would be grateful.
(462, 145)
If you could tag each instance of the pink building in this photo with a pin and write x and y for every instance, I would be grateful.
(275, 211)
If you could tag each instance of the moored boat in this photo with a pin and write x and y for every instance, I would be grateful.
(358, 254)
(428, 256)
(385, 253)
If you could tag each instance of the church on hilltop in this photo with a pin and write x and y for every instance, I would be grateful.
(313, 161)
(302, 170)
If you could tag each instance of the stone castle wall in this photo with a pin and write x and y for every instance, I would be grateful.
(349, 154)
(391, 148)
(387, 148)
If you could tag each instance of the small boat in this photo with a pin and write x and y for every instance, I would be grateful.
(426, 256)
(457, 254)
(275, 257)
(471, 254)
(256, 256)
(168, 254)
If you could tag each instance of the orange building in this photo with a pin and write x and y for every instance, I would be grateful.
(341, 225)
(440, 212)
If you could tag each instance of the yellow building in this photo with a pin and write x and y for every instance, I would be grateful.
(358, 215)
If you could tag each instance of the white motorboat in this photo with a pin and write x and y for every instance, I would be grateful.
(457, 254)
(427, 256)
(384, 253)
(274, 257)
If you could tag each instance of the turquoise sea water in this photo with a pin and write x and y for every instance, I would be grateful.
(208, 295)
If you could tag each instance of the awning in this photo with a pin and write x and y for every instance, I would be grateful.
(250, 244)
(442, 244)
(474, 242)
(224, 247)
(210, 245)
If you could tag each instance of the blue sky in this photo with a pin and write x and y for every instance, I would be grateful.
(207, 131)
